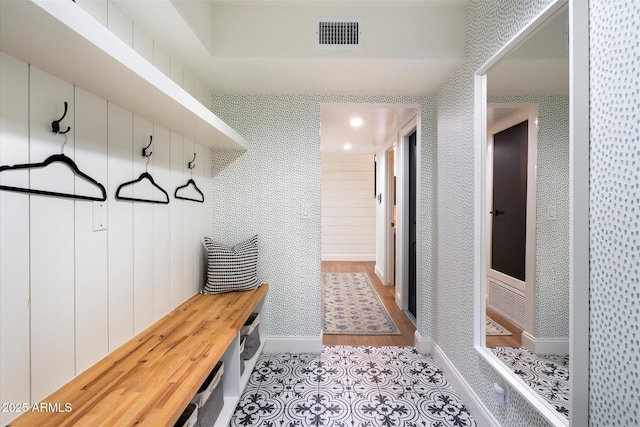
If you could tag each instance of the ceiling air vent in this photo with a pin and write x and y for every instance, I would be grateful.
(338, 33)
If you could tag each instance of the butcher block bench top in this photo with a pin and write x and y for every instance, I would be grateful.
(151, 379)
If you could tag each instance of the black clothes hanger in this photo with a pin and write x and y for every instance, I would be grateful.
(195, 187)
(56, 158)
(143, 175)
(191, 165)
(60, 158)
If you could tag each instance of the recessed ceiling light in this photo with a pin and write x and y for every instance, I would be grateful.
(356, 122)
(347, 147)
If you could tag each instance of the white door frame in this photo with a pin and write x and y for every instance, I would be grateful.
(528, 287)
(390, 259)
(402, 236)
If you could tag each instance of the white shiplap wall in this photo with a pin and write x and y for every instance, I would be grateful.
(69, 294)
(348, 208)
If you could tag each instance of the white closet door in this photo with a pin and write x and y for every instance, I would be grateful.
(52, 241)
(14, 235)
(92, 323)
(162, 223)
(178, 177)
(120, 223)
(143, 241)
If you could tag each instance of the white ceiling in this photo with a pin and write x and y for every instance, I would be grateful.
(409, 47)
(380, 123)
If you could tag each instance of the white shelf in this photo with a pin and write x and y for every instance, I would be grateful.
(62, 39)
(234, 383)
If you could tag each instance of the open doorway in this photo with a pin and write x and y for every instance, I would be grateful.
(358, 175)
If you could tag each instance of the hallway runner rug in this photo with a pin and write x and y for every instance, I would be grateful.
(494, 328)
(351, 306)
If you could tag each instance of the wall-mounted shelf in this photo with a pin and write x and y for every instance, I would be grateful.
(62, 39)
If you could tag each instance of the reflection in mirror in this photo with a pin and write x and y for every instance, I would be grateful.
(527, 218)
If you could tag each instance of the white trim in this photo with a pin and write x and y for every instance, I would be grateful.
(388, 212)
(422, 344)
(527, 112)
(402, 196)
(292, 344)
(516, 383)
(579, 212)
(381, 276)
(481, 414)
(524, 34)
(556, 346)
(348, 257)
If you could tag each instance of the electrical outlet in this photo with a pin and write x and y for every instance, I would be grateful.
(499, 394)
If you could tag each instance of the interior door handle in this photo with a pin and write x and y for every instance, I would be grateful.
(496, 212)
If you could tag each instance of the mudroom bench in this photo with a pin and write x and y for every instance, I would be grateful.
(150, 380)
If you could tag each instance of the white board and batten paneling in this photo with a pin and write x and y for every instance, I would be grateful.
(78, 280)
(52, 229)
(188, 228)
(14, 236)
(177, 292)
(161, 222)
(348, 208)
(143, 228)
(91, 247)
(120, 223)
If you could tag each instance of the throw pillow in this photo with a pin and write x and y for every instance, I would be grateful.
(231, 268)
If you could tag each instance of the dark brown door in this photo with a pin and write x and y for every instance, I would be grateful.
(509, 210)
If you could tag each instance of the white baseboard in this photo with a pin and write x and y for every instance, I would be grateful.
(282, 344)
(422, 344)
(557, 346)
(476, 407)
(348, 257)
(381, 276)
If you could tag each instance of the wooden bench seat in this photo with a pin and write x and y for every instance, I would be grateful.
(151, 379)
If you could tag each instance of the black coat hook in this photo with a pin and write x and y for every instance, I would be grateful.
(55, 125)
(144, 150)
(191, 164)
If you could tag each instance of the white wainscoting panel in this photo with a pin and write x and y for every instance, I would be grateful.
(91, 247)
(14, 235)
(189, 230)
(51, 233)
(161, 218)
(178, 178)
(120, 168)
(71, 292)
(143, 238)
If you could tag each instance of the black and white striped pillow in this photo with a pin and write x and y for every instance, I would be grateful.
(231, 268)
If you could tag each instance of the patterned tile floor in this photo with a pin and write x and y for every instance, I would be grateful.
(349, 387)
(547, 375)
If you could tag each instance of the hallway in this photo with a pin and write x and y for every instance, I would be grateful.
(386, 294)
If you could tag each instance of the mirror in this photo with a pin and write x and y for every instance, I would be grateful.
(526, 214)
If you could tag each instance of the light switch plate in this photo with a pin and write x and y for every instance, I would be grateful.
(99, 216)
(305, 211)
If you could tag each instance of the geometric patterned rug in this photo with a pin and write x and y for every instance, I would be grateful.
(546, 375)
(349, 387)
(351, 306)
(494, 328)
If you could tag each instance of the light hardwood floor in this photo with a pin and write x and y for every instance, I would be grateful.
(387, 296)
(513, 340)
